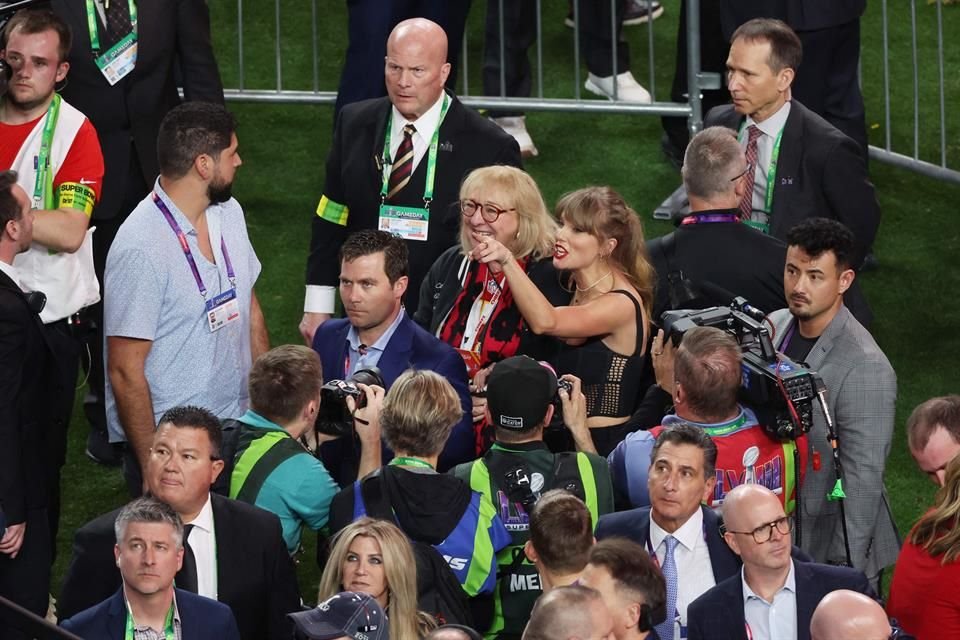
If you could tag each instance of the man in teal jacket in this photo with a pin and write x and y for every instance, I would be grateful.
(272, 469)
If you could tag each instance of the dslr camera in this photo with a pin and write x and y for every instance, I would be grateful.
(334, 417)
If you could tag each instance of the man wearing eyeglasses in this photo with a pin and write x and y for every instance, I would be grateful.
(396, 163)
(703, 254)
(233, 552)
(772, 597)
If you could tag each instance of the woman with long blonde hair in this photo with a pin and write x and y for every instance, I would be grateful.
(470, 305)
(374, 557)
(605, 322)
(925, 591)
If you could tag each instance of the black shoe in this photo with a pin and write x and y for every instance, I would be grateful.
(101, 451)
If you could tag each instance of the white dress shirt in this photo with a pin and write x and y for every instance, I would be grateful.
(204, 544)
(694, 571)
(775, 620)
(426, 125)
(770, 129)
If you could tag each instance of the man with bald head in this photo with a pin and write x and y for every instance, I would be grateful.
(570, 613)
(848, 615)
(396, 164)
(772, 597)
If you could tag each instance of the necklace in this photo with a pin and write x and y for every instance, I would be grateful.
(601, 279)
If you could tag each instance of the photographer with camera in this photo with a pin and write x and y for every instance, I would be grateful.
(703, 376)
(521, 398)
(861, 394)
(378, 333)
(271, 469)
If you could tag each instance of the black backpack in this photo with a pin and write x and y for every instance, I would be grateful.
(438, 591)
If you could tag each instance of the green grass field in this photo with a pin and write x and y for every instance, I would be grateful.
(284, 146)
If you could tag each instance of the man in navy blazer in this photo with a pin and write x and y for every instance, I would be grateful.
(682, 475)
(377, 332)
(149, 552)
(774, 596)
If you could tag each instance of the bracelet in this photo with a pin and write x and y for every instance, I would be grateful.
(361, 421)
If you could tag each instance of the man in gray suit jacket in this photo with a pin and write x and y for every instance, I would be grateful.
(861, 391)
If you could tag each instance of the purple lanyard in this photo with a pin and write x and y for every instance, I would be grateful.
(710, 217)
(186, 248)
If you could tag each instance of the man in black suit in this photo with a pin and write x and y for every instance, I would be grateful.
(239, 556)
(774, 597)
(712, 256)
(828, 80)
(171, 36)
(676, 528)
(24, 529)
(802, 165)
(380, 170)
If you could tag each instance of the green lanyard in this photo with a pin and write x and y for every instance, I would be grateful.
(772, 172)
(728, 428)
(410, 462)
(431, 157)
(92, 22)
(168, 631)
(43, 184)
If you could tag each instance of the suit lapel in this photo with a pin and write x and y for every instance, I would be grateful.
(226, 551)
(788, 164)
(733, 594)
(396, 356)
(821, 349)
(379, 125)
(117, 616)
(806, 598)
(342, 353)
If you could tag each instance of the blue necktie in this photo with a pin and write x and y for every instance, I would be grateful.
(669, 569)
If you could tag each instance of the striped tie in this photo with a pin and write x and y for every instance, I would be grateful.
(746, 204)
(403, 164)
(665, 629)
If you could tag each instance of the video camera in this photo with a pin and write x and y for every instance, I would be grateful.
(334, 418)
(780, 391)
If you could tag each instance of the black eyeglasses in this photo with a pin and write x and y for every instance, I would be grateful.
(489, 212)
(740, 175)
(764, 532)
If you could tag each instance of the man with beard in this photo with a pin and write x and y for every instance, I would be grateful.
(182, 321)
(817, 328)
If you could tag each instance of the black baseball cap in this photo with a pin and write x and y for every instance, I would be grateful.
(354, 615)
(519, 391)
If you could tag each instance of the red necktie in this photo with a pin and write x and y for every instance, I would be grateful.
(746, 204)
(402, 164)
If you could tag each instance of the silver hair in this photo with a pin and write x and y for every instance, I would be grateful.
(148, 509)
(711, 160)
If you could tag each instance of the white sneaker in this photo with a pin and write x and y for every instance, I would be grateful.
(516, 126)
(628, 89)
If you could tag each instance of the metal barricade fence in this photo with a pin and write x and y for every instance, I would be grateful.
(929, 153)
